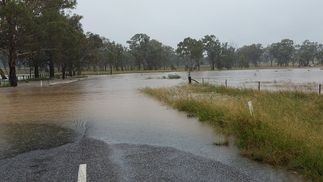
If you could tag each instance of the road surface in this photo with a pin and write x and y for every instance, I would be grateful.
(117, 162)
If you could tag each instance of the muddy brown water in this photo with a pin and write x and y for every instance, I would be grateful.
(112, 109)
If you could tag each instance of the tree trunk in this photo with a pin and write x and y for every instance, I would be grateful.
(12, 63)
(213, 66)
(70, 70)
(63, 71)
(111, 68)
(12, 73)
(198, 65)
(12, 57)
(36, 69)
(51, 68)
(271, 63)
(79, 72)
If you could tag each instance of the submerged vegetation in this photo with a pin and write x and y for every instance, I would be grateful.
(285, 129)
(173, 76)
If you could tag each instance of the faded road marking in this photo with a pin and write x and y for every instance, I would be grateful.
(82, 173)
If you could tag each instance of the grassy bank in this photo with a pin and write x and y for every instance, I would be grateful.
(286, 128)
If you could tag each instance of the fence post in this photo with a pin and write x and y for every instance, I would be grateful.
(258, 86)
(320, 89)
(226, 83)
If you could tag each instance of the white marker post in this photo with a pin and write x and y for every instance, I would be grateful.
(250, 106)
(82, 173)
(41, 83)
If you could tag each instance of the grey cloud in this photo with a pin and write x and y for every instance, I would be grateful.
(236, 21)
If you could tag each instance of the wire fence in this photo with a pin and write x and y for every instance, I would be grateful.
(24, 78)
(312, 87)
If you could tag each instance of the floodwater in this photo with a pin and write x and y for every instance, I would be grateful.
(271, 79)
(112, 109)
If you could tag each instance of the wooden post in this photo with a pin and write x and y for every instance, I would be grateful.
(203, 81)
(258, 86)
(320, 89)
(226, 83)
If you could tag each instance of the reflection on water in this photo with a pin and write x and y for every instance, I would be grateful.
(19, 138)
(116, 112)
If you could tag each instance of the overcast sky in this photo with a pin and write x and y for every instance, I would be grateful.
(238, 22)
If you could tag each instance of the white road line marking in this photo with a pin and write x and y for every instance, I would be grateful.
(82, 173)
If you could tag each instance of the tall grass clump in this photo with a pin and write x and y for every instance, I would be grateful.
(286, 128)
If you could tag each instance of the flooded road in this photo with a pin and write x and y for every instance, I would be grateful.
(112, 109)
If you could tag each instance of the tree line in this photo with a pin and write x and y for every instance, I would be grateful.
(224, 56)
(45, 36)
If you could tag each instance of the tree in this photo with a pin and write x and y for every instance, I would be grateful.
(250, 54)
(138, 46)
(154, 55)
(212, 46)
(13, 15)
(319, 54)
(169, 57)
(192, 50)
(267, 56)
(93, 45)
(228, 56)
(283, 51)
(307, 53)
(30, 28)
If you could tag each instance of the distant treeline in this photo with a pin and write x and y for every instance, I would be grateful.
(44, 35)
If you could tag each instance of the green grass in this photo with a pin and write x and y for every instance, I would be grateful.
(285, 130)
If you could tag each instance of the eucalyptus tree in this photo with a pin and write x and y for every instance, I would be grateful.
(14, 18)
(266, 56)
(154, 55)
(250, 54)
(72, 43)
(94, 42)
(30, 27)
(192, 50)
(138, 46)
(112, 54)
(228, 55)
(169, 57)
(319, 54)
(283, 51)
(119, 61)
(105, 53)
(128, 59)
(307, 53)
(212, 46)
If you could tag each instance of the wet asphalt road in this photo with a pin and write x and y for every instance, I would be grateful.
(117, 162)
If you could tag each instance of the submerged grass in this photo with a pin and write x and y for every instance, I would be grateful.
(286, 128)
